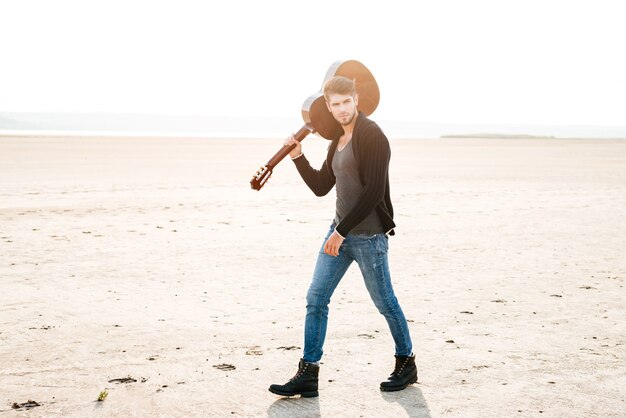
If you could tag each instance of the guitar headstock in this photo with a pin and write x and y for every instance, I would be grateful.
(261, 177)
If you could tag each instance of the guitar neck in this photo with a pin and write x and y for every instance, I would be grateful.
(286, 149)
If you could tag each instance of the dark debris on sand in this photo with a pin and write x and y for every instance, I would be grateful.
(288, 348)
(27, 405)
(224, 367)
(127, 379)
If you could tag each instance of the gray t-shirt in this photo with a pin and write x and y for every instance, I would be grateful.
(349, 188)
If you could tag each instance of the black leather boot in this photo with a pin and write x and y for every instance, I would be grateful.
(304, 383)
(404, 374)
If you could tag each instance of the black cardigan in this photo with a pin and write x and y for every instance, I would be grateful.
(372, 152)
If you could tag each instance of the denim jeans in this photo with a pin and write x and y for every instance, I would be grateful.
(370, 253)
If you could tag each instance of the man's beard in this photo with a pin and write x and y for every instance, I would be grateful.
(349, 120)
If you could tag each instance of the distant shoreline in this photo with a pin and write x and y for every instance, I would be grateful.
(519, 136)
(131, 134)
(523, 136)
(247, 135)
(153, 125)
(500, 136)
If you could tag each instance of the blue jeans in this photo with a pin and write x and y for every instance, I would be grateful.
(370, 253)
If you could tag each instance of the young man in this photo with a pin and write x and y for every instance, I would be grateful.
(357, 165)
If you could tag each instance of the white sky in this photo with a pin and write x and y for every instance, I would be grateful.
(531, 61)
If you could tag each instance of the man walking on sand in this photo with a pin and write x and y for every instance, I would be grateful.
(357, 164)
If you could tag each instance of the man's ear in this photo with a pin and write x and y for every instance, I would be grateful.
(328, 107)
(356, 99)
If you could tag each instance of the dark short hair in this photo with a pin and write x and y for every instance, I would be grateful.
(339, 85)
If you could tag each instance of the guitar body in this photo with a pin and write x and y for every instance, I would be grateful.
(314, 110)
(318, 119)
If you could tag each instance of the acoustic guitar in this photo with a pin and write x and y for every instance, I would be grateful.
(317, 118)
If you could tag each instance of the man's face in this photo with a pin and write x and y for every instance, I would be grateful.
(343, 107)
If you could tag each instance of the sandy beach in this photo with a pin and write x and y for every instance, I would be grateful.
(148, 268)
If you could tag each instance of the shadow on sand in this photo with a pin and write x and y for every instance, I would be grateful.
(411, 399)
(294, 407)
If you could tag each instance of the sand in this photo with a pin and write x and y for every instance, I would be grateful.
(152, 259)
